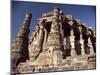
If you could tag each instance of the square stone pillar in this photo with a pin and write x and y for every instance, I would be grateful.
(72, 42)
(82, 45)
(90, 46)
(45, 38)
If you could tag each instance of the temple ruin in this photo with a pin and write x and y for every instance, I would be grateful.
(58, 42)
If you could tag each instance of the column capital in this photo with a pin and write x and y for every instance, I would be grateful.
(72, 32)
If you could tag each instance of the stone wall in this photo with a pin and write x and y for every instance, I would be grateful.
(58, 43)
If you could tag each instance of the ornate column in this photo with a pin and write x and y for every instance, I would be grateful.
(36, 45)
(54, 38)
(40, 37)
(82, 45)
(81, 41)
(22, 38)
(72, 42)
(45, 38)
(71, 37)
(61, 27)
(20, 48)
(33, 52)
(90, 45)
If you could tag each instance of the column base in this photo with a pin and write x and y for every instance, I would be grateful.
(83, 53)
(92, 51)
(73, 52)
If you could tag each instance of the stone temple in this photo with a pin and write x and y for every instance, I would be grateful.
(58, 43)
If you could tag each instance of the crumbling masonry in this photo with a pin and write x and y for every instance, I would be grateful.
(58, 43)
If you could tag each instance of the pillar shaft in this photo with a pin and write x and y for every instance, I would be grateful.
(72, 42)
(20, 51)
(82, 44)
(90, 46)
(45, 38)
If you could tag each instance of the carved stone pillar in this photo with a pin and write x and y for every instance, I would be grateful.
(45, 38)
(90, 46)
(54, 38)
(72, 42)
(20, 46)
(61, 27)
(81, 41)
(40, 37)
(36, 45)
(33, 52)
(82, 44)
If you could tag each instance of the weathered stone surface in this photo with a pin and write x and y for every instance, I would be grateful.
(58, 43)
(20, 46)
